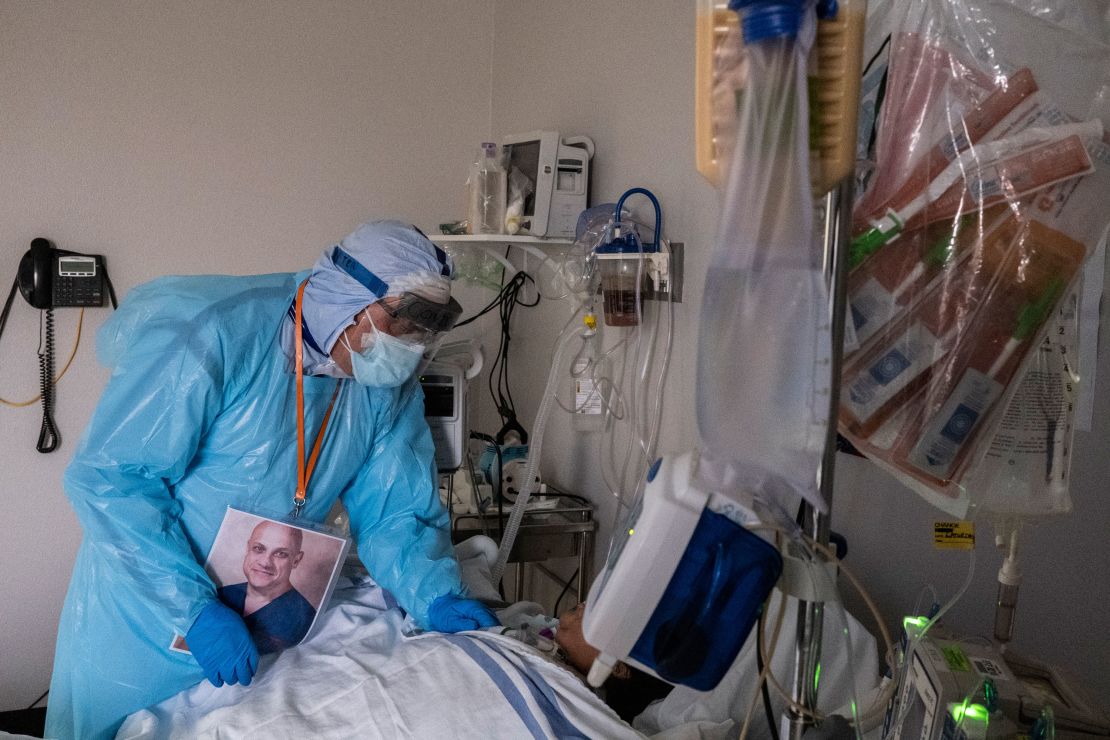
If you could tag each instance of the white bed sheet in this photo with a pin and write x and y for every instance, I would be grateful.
(363, 675)
(366, 673)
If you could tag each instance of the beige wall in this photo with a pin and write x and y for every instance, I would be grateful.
(190, 137)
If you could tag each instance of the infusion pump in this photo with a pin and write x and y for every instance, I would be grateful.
(444, 386)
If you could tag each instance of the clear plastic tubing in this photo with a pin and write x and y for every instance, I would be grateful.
(535, 446)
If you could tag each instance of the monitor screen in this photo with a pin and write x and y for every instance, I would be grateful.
(76, 267)
(526, 158)
(439, 401)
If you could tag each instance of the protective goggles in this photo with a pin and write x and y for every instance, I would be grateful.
(419, 315)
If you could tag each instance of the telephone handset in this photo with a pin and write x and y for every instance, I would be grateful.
(50, 278)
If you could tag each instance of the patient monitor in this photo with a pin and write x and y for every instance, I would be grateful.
(445, 410)
(444, 381)
(559, 168)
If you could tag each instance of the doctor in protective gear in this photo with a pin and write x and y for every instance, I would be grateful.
(200, 413)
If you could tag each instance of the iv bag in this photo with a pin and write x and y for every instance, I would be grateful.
(764, 344)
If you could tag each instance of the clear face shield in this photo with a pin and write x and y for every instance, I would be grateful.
(417, 320)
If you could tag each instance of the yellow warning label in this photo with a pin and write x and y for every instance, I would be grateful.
(954, 535)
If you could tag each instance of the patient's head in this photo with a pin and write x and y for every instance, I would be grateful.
(572, 641)
(628, 690)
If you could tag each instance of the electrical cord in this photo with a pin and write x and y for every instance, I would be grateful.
(881, 702)
(763, 684)
(506, 301)
(48, 434)
(566, 587)
(36, 701)
(8, 306)
(763, 674)
(59, 376)
(502, 295)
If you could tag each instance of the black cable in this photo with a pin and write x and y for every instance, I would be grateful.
(506, 301)
(875, 57)
(111, 289)
(36, 701)
(766, 693)
(555, 611)
(48, 434)
(506, 291)
(7, 306)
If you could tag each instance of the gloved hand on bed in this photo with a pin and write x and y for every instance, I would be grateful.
(452, 613)
(222, 644)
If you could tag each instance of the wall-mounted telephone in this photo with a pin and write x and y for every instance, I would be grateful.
(50, 278)
(56, 278)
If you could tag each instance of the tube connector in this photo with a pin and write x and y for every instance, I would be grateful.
(602, 666)
(658, 267)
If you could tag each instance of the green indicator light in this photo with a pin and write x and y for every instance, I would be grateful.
(974, 712)
(978, 712)
(816, 677)
(918, 622)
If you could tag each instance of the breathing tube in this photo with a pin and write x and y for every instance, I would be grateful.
(535, 447)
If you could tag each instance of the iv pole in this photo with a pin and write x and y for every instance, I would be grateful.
(807, 648)
(836, 47)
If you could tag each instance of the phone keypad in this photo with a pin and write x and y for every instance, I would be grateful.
(83, 291)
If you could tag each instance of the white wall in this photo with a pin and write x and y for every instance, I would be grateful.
(190, 137)
(625, 78)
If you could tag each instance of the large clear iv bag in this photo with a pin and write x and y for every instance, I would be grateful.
(764, 345)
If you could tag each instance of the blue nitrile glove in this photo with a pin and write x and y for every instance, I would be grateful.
(222, 644)
(452, 613)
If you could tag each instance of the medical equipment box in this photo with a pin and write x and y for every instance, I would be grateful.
(944, 693)
(560, 172)
(444, 387)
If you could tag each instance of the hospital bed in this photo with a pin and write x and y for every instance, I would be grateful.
(366, 673)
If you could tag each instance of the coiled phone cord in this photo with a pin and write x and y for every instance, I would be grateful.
(48, 435)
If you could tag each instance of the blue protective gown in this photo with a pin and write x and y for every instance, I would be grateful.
(199, 415)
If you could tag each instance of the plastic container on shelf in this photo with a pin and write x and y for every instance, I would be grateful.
(486, 211)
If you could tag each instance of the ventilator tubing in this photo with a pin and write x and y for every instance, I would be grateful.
(535, 446)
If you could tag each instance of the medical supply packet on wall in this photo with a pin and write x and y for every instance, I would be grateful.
(984, 182)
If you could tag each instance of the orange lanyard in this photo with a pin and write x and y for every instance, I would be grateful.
(304, 472)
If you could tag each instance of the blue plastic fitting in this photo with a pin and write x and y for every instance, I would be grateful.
(763, 20)
(827, 9)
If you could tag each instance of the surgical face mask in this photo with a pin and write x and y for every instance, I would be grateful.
(387, 362)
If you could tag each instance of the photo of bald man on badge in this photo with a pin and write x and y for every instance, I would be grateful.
(275, 575)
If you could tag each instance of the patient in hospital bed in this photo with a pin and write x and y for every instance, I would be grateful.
(366, 672)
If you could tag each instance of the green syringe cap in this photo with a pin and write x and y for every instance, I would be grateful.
(865, 245)
(1032, 314)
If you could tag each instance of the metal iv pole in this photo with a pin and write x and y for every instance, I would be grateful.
(807, 648)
